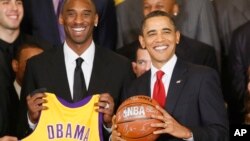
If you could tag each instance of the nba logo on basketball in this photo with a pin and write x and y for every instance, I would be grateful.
(134, 119)
(134, 111)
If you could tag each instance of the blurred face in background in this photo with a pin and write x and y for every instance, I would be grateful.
(142, 62)
(169, 6)
(11, 14)
(19, 64)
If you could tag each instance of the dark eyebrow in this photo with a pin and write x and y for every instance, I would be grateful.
(167, 29)
(151, 31)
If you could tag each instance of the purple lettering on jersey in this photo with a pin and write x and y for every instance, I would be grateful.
(68, 131)
(65, 131)
(86, 138)
(79, 132)
(50, 132)
(59, 130)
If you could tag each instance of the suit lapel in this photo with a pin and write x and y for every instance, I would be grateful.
(59, 75)
(176, 84)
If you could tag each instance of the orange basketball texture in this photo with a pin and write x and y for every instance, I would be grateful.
(133, 118)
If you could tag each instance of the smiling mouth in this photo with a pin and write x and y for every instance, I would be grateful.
(13, 17)
(79, 29)
(161, 48)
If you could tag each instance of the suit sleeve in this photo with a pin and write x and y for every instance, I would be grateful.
(23, 129)
(213, 115)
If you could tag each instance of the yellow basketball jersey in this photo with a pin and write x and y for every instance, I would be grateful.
(64, 121)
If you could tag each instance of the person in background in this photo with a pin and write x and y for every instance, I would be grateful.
(11, 15)
(142, 62)
(247, 101)
(102, 71)
(189, 95)
(197, 20)
(238, 63)
(4, 105)
(24, 52)
(230, 14)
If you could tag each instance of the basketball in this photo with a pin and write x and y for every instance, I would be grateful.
(133, 118)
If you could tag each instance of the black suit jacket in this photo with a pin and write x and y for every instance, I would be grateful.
(194, 99)
(7, 51)
(40, 20)
(188, 49)
(4, 91)
(110, 73)
(239, 61)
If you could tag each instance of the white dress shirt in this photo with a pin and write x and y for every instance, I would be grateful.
(17, 88)
(70, 62)
(70, 56)
(167, 69)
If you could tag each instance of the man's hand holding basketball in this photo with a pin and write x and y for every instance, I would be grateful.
(170, 126)
(115, 136)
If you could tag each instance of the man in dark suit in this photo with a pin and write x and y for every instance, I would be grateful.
(41, 20)
(193, 107)
(239, 61)
(4, 102)
(10, 38)
(188, 49)
(105, 72)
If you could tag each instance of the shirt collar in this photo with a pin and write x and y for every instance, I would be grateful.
(87, 55)
(17, 88)
(166, 68)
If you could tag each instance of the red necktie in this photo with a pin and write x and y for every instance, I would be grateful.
(159, 90)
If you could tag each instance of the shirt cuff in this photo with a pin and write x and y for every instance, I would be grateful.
(109, 130)
(31, 125)
(190, 139)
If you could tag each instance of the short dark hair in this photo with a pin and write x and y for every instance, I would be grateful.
(25, 45)
(157, 13)
(65, 1)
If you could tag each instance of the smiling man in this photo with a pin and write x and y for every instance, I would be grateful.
(189, 95)
(56, 69)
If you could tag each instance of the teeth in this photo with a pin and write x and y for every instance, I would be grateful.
(13, 17)
(79, 29)
(161, 47)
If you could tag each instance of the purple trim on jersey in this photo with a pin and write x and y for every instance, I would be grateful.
(100, 126)
(76, 104)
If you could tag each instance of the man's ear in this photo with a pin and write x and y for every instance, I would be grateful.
(14, 65)
(175, 10)
(178, 37)
(96, 20)
(142, 41)
(60, 20)
(134, 67)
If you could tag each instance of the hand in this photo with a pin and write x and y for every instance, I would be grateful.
(8, 138)
(115, 136)
(35, 105)
(170, 126)
(106, 106)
